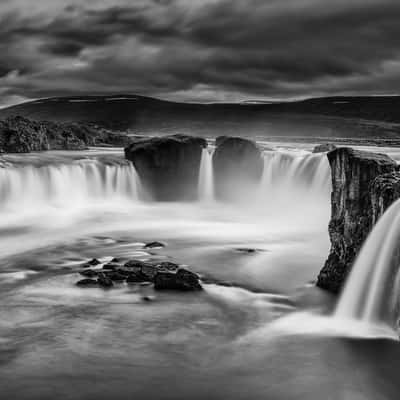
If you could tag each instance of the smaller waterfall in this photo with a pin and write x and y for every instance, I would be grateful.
(66, 185)
(206, 176)
(371, 293)
(285, 171)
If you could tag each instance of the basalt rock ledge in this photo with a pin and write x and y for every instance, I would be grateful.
(364, 185)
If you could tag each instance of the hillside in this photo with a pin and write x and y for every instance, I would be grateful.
(326, 117)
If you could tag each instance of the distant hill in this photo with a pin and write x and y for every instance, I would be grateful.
(329, 116)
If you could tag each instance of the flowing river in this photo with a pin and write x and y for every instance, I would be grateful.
(264, 332)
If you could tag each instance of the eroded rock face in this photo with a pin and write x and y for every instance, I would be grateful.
(238, 165)
(356, 193)
(168, 166)
(385, 189)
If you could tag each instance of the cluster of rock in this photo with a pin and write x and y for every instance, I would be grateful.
(163, 275)
(22, 135)
(364, 185)
(169, 166)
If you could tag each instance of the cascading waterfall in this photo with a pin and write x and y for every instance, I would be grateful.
(206, 175)
(372, 291)
(284, 170)
(66, 184)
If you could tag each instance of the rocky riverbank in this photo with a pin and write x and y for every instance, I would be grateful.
(22, 135)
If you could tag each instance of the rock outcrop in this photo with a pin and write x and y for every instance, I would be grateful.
(238, 165)
(168, 166)
(325, 147)
(358, 199)
(22, 135)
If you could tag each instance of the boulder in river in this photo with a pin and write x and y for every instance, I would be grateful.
(238, 165)
(87, 282)
(104, 280)
(168, 166)
(154, 245)
(182, 280)
(359, 197)
(89, 273)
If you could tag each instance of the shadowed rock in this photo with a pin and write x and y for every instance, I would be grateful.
(182, 280)
(89, 273)
(385, 189)
(104, 280)
(87, 282)
(238, 166)
(358, 199)
(168, 166)
(325, 147)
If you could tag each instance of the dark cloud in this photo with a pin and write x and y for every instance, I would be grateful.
(200, 49)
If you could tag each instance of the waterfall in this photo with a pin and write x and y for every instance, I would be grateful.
(206, 176)
(285, 171)
(66, 184)
(371, 293)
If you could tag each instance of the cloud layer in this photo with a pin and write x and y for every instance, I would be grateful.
(199, 49)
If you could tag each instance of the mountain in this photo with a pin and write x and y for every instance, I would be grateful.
(369, 116)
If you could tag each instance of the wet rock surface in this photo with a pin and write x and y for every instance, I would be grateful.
(164, 275)
(364, 184)
(168, 166)
(237, 163)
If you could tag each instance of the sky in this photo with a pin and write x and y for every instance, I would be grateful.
(199, 50)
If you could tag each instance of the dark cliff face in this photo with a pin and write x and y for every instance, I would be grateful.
(238, 165)
(385, 189)
(168, 166)
(357, 201)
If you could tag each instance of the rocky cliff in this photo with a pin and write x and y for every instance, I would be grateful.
(168, 166)
(238, 165)
(364, 184)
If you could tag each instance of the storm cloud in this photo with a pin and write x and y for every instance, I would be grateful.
(199, 50)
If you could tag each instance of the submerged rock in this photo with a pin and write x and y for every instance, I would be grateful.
(357, 201)
(94, 262)
(88, 273)
(168, 166)
(104, 280)
(154, 245)
(182, 280)
(325, 147)
(238, 165)
(87, 282)
(117, 276)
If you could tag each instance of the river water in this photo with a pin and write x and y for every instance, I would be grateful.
(267, 334)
